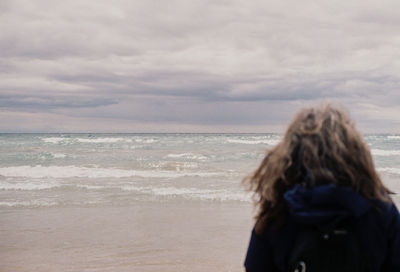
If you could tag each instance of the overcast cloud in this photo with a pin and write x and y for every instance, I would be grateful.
(195, 66)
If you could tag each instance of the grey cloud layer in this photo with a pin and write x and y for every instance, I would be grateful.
(195, 63)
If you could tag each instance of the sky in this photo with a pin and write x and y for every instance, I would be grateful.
(195, 66)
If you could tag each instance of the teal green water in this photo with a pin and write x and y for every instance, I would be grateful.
(39, 170)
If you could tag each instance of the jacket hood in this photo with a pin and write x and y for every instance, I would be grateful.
(325, 205)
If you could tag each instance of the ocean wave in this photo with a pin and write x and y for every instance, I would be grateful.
(254, 142)
(100, 140)
(189, 156)
(89, 172)
(38, 203)
(53, 140)
(146, 141)
(32, 203)
(58, 140)
(91, 187)
(382, 152)
(191, 193)
(389, 170)
(27, 186)
(58, 155)
(397, 137)
(174, 166)
(51, 185)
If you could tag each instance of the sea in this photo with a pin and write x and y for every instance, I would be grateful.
(137, 202)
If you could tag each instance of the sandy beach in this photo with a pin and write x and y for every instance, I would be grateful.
(149, 236)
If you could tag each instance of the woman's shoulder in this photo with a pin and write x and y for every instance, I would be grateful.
(268, 250)
(380, 227)
(386, 212)
(386, 232)
(392, 218)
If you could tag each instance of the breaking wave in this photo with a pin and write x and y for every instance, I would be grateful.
(71, 171)
(389, 170)
(382, 152)
(189, 156)
(254, 142)
(191, 193)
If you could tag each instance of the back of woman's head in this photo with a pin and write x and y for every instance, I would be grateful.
(320, 146)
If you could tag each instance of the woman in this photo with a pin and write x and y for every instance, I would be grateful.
(320, 174)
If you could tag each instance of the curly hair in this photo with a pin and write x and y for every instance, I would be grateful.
(320, 146)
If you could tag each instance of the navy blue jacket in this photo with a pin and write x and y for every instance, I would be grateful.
(377, 228)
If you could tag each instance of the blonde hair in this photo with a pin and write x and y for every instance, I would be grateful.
(320, 146)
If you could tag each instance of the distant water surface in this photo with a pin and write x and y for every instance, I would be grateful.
(39, 170)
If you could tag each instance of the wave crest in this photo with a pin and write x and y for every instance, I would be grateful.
(72, 171)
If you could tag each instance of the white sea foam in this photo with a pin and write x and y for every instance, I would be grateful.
(389, 170)
(47, 185)
(394, 137)
(53, 140)
(58, 155)
(191, 193)
(32, 203)
(37, 203)
(382, 152)
(167, 191)
(189, 156)
(88, 172)
(100, 140)
(135, 188)
(174, 166)
(27, 186)
(253, 142)
(146, 141)
(90, 187)
(57, 140)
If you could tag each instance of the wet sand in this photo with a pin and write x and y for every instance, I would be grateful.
(149, 236)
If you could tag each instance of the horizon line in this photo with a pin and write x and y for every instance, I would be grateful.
(379, 133)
